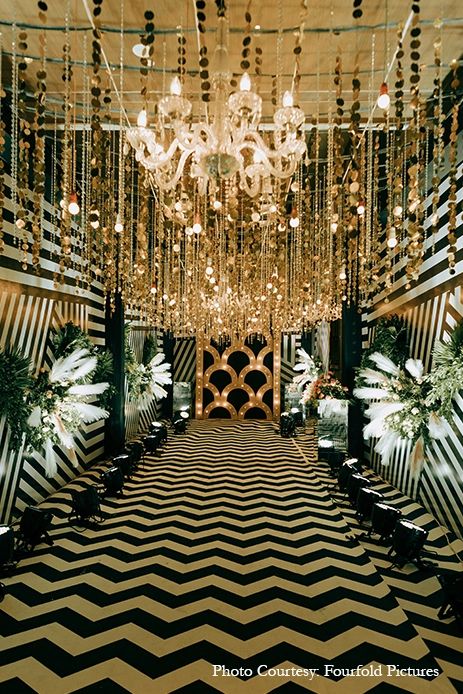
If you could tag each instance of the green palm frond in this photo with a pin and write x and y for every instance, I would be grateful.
(446, 353)
(15, 381)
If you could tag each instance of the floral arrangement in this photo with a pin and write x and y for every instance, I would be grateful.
(148, 377)
(324, 387)
(59, 403)
(390, 339)
(48, 409)
(308, 367)
(401, 410)
(446, 377)
(71, 337)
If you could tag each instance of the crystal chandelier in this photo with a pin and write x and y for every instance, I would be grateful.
(229, 145)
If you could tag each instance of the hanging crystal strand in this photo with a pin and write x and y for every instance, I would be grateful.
(22, 215)
(438, 123)
(14, 132)
(389, 174)
(369, 206)
(84, 177)
(66, 156)
(279, 52)
(39, 145)
(2, 148)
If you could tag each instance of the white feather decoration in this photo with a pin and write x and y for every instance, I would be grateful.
(51, 467)
(384, 363)
(366, 393)
(35, 417)
(372, 376)
(66, 439)
(415, 367)
(88, 389)
(158, 391)
(374, 429)
(436, 424)
(417, 459)
(383, 409)
(387, 445)
(160, 375)
(84, 370)
(64, 367)
(89, 413)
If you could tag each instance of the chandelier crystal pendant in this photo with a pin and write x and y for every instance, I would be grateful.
(229, 145)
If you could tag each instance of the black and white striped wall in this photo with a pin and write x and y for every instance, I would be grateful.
(430, 309)
(30, 306)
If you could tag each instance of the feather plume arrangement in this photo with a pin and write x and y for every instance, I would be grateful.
(385, 364)
(415, 367)
(160, 375)
(308, 368)
(76, 365)
(399, 409)
(62, 404)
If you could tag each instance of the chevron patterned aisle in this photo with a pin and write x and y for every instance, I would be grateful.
(417, 592)
(226, 550)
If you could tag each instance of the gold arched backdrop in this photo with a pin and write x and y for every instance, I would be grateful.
(239, 381)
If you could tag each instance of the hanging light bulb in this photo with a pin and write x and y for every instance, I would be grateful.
(342, 274)
(118, 227)
(94, 219)
(384, 99)
(294, 219)
(176, 87)
(392, 239)
(197, 228)
(288, 101)
(361, 208)
(73, 207)
(245, 82)
(142, 119)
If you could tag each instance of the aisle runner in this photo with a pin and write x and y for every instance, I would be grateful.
(225, 551)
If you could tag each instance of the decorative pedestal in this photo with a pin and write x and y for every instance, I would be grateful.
(292, 399)
(182, 397)
(333, 417)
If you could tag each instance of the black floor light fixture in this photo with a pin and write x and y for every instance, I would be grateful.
(347, 469)
(383, 521)
(408, 542)
(366, 498)
(113, 481)
(287, 425)
(85, 506)
(34, 528)
(298, 416)
(159, 428)
(355, 483)
(136, 450)
(179, 421)
(125, 463)
(452, 599)
(7, 563)
(152, 442)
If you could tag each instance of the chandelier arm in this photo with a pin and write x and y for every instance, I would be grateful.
(161, 176)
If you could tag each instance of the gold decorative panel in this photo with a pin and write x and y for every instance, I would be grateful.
(240, 381)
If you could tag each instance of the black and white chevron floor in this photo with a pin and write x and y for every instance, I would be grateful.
(228, 551)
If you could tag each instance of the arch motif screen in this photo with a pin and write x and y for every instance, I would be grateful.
(239, 380)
